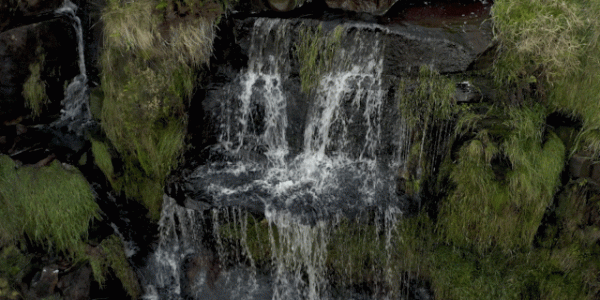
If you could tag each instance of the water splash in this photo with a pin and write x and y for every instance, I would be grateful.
(76, 114)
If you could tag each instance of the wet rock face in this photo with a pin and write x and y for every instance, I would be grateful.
(374, 7)
(26, 45)
(14, 13)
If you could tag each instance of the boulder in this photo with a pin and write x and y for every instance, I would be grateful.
(580, 165)
(76, 284)
(51, 45)
(44, 285)
(374, 7)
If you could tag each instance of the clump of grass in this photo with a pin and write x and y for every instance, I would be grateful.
(148, 78)
(51, 205)
(112, 255)
(557, 45)
(427, 99)
(316, 50)
(34, 89)
(485, 211)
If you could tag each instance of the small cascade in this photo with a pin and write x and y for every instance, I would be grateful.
(338, 171)
(76, 112)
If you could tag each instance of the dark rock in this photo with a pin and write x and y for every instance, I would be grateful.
(15, 13)
(23, 46)
(467, 93)
(595, 174)
(374, 7)
(44, 285)
(76, 284)
(580, 165)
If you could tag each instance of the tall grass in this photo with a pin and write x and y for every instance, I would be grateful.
(50, 205)
(559, 40)
(484, 212)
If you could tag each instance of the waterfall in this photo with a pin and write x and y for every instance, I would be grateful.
(76, 112)
(302, 189)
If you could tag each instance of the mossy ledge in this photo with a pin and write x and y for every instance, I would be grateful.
(149, 72)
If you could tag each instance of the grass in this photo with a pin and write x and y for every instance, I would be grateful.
(428, 98)
(50, 205)
(316, 50)
(149, 73)
(114, 256)
(485, 211)
(557, 44)
(34, 89)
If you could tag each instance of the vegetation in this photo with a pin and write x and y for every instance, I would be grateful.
(51, 206)
(148, 77)
(500, 208)
(556, 45)
(34, 89)
(316, 50)
(112, 256)
(428, 98)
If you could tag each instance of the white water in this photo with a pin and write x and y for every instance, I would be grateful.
(75, 112)
(338, 169)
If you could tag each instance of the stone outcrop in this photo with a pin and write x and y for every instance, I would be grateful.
(51, 44)
(374, 7)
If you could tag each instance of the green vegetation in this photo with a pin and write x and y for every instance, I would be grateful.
(555, 44)
(316, 50)
(502, 208)
(427, 99)
(50, 205)
(12, 263)
(112, 255)
(148, 77)
(34, 89)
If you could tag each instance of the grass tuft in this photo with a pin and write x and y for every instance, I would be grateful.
(34, 89)
(484, 211)
(51, 205)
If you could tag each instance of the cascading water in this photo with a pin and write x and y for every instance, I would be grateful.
(301, 188)
(75, 113)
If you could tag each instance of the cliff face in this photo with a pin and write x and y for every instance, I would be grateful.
(299, 150)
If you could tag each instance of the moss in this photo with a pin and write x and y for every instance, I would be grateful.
(430, 97)
(103, 158)
(51, 205)
(12, 264)
(483, 212)
(316, 51)
(117, 261)
(255, 238)
(34, 89)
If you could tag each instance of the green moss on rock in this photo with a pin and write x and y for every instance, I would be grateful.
(316, 50)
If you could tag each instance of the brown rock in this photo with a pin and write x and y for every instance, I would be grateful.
(580, 166)
(375, 7)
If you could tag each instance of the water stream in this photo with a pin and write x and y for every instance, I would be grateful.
(76, 114)
(301, 190)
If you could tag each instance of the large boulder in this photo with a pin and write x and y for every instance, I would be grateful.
(375, 7)
(52, 46)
